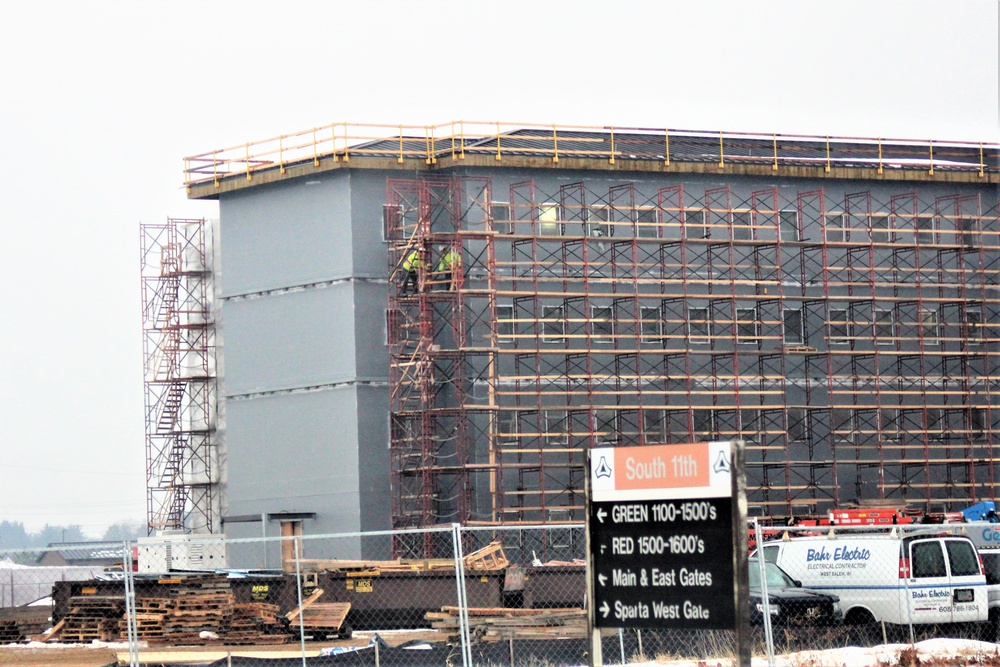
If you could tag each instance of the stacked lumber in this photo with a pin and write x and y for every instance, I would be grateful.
(396, 565)
(150, 614)
(256, 623)
(490, 624)
(92, 617)
(199, 610)
(23, 626)
(200, 604)
(489, 558)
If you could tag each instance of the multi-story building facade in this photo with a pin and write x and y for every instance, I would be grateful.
(832, 302)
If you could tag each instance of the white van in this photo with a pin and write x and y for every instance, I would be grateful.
(890, 577)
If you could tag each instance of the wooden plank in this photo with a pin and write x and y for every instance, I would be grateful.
(51, 634)
(305, 604)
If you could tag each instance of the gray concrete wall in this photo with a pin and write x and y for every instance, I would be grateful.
(287, 234)
(306, 369)
(290, 340)
(296, 452)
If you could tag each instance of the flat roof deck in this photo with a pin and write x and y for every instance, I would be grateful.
(627, 150)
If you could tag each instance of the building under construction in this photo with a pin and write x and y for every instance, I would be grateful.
(832, 301)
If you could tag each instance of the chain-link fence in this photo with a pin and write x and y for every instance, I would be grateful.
(474, 596)
(901, 583)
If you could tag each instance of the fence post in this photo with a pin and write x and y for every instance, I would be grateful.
(463, 603)
(765, 600)
(298, 591)
(906, 584)
(130, 624)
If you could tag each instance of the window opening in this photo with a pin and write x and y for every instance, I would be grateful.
(602, 323)
(553, 324)
(794, 331)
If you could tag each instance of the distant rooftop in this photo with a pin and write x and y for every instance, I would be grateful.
(498, 144)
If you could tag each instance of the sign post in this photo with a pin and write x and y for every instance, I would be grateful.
(666, 539)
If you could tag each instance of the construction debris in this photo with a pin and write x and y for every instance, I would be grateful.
(490, 558)
(490, 624)
(91, 618)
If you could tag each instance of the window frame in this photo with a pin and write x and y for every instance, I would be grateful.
(830, 322)
(545, 211)
(598, 222)
(505, 323)
(801, 328)
(783, 216)
(495, 221)
(644, 321)
(699, 338)
(552, 418)
(690, 225)
(745, 230)
(832, 231)
(934, 337)
(604, 337)
(647, 229)
(880, 337)
(741, 338)
(548, 314)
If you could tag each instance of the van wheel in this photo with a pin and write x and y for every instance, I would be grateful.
(862, 628)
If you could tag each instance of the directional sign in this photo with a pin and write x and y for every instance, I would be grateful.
(661, 536)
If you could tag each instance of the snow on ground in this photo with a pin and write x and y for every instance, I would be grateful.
(853, 656)
(875, 656)
(114, 646)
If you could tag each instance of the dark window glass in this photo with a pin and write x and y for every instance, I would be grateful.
(840, 327)
(928, 560)
(962, 559)
(694, 224)
(553, 325)
(646, 226)
(741, 225)
(789, 221)
(501, 218)
(505, 323)
(884, 327)
(699, 326)
(746, 325)
(602, 323)
(651, 322)
(794, 332)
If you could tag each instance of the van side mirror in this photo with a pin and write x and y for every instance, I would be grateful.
(797, 583)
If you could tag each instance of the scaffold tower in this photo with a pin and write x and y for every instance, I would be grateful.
(180, 376)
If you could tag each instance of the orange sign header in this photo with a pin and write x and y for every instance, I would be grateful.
(701, 468)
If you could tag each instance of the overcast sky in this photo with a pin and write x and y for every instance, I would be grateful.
(102, 100)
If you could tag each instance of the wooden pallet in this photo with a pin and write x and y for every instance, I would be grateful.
(490, 558)
(324, 618)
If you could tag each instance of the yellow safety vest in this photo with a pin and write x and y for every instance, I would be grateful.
(412, 261)
(449, 261)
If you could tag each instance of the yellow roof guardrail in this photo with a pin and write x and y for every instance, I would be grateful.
(339, 142)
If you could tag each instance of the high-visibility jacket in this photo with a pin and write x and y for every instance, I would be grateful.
(413, 261)
(449, 261)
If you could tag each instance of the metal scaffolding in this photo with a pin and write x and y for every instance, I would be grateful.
(850, 340)
(180, 377)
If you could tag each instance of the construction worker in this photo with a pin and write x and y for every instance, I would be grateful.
(412, 263)
(448, 265)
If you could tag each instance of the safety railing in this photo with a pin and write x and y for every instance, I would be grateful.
(401, 143)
